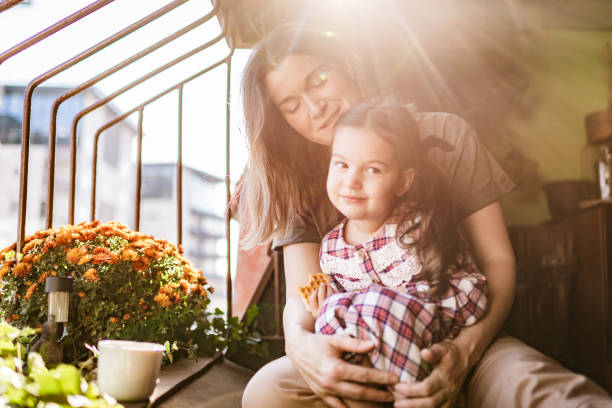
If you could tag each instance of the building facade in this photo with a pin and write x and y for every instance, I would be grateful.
(116, 161)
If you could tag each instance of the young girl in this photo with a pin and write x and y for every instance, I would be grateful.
(400, 274)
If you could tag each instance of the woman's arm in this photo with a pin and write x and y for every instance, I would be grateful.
(489, 240)
(317, 357)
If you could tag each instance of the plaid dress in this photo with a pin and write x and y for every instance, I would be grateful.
(381, 295)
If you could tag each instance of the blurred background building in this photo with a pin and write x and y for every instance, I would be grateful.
(115, 165)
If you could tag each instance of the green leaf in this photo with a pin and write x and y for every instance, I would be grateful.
(18, 396)
(7, 348)
(6, 330)
(27, 331)
(92, 391)
(49, 385)
(36, 364)
(252, 312)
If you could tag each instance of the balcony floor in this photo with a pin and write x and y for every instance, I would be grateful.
(220, 386)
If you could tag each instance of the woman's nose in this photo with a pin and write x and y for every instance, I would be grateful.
(316, 106)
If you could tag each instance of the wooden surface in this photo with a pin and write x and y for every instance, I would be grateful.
(590, 319)
(570, 317)
(173, 377)
(220, 386)
(546, 266)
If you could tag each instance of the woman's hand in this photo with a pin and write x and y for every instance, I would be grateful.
(318, 359)
(441, 387)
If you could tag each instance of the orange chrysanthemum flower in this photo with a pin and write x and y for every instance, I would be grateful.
(185, 286)
(82, 294)
(74, 255)
(85, 259)
(126, 316)
(22, 269)
(113, 319)
(141, 264)
(129, 255)
(31, 291)
(114, 258)
(100, 258)
(13, 317)
(101, 250)
(30, 245)
(5, 268)
(91, 275)
(163, 300)
(152, 253)
(63, 239)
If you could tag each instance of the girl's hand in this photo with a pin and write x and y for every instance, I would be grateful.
(441, 387)
(317, 298)
(318, 359)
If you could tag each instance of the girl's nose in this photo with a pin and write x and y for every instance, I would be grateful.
(352, 180)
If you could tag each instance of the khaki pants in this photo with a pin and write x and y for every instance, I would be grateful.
(510, 374)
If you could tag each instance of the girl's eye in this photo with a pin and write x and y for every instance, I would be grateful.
(373, 170)
(340, 165)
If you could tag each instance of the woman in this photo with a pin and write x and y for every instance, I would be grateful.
(295, 86)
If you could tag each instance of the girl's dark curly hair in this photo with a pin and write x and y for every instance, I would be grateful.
(430, 215)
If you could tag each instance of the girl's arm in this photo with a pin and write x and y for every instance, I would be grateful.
(317, 357)
(489, 239)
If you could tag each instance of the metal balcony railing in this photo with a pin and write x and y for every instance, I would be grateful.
(219, 10)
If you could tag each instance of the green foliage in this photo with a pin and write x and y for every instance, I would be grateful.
(27, 382)
(126, 285)
(212, 332)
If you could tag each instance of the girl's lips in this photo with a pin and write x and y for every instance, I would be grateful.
(352, 199)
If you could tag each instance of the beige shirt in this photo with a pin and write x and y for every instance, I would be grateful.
(475, 178)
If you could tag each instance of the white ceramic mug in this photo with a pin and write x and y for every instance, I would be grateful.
(128, 370)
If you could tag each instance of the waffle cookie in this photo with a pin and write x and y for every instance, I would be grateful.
(313, 283)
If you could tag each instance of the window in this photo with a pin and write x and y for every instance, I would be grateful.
(157, 181)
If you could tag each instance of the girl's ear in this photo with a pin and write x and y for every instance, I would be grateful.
(406, 179)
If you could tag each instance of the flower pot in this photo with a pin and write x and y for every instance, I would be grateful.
(564, 196)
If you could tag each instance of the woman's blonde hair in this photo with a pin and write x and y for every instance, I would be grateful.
(285, 174)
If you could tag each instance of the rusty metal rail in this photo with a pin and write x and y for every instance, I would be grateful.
(107, 99)
(92, 81)
(217, 11)
(178, 86)
(51, 29)
(7, 4)
(27, 104)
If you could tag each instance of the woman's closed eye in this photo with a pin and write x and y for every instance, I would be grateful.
(319, 78)
(290, 106)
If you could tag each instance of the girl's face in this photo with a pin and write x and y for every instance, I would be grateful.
(364, 179)
(311, 94)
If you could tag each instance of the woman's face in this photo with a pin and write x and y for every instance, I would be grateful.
(311, 94)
